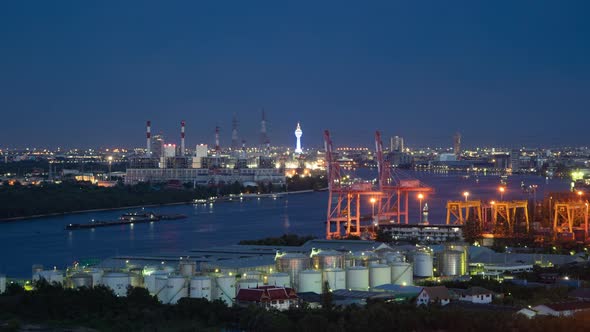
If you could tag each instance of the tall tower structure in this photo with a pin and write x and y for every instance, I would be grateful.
(396, 144)
(457, 144)
(298, 134)
(217, 146)
(264, 141)
(148, 134)
(182, 138)
(234, 133)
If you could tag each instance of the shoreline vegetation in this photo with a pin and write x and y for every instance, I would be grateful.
(30, 202)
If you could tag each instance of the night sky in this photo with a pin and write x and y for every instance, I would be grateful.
(90, 73)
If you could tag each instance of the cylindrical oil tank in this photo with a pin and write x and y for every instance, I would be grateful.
(161, 287)
(170, 269)
(401, 274)
(394, 257)
(2, 283)
(96, 275)
(225, 289)
(422, 264)
(462, 247)
(150, 280)
(248, 283)
(327, 259)
(51, 276)
(187, 268)
(360, 258)
(136, 279)
(379, 274)
(81, 279)
(201, 287)
(177, 288)
(310, 281)
(36, 269)
(117, 281)
(357, 278)
(253, 275)
(292, 263)
(279, 279)
(451, 263)
(336, 278)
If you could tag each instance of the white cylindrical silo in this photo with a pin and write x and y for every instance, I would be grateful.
(310, 281)
(161, 287)
(51, 276)
(452, 263)
(248, 283)
(279, 279)
(2, 283)
(257, 275)
(96, 276)
(150, 280)
(401, 274)
(177, 288)
(225, 289)
(395, 257)
(81, 279)
(422, 264)
(292, 263)
(357, 278)
(336, 278)
(136, 280)
(187, 268)
(116, 281)
(327, 259)
(379, 274)
(200, 287)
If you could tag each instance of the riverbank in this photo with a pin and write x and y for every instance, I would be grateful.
(222, 199)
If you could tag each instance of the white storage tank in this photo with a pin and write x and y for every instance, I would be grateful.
(279, 279)
(360, 258)
(96, 276)
(248, 283)
(169, 269)
(51, 276)
(379, 274)
(395, 257)
(357, 278)
(2, 283)
(187, 268)
(36, 269)
(293, 264)
(117, 281)
(422, 264)
(336, 278)
(401, 274)
(161, 287)
(225, 289)
(327, 259)
(150, 280)
(452, 263)
(253, 275)
(200, 287)
(177, 288)
(81, 279)
(310, 281)
(136, 280)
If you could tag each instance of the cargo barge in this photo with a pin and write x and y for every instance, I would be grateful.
(127, 219)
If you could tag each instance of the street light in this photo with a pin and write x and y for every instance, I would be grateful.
(466, 194)
(420, 197)
(580, 193)
(502, 190)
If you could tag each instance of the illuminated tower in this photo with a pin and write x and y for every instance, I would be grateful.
(457, 144)
(234, 133)
(298, 134)
(425, 214)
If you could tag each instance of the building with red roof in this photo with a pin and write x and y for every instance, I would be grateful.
(281, 298)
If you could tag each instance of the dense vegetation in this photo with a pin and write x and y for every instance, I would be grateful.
(70, 196)
(98, 308)
(284, 240)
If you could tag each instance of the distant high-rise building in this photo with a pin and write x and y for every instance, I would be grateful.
(157, 146)
(298, 134)
(396, 143)
(201, 152)
(234, 133)
(457, 144)
(264, 140)
(515, 160)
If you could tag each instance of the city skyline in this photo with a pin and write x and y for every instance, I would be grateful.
(502, 74)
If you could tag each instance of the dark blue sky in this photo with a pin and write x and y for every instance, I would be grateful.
(82, 73)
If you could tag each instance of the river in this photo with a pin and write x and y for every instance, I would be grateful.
(44, 240)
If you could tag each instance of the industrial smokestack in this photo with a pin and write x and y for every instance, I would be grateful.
(182, 138)
(234, 133)
(149, 138)
(263, 137)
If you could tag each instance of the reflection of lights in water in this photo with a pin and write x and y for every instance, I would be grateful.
(70, 239)
(286, 222)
